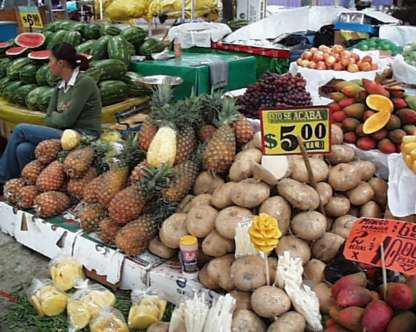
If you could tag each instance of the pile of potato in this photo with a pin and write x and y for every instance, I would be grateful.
(346, 189)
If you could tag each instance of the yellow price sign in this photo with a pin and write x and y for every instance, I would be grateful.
(281, 129)
(30, 17)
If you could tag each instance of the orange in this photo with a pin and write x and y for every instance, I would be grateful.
(379, 103)
(376, 122)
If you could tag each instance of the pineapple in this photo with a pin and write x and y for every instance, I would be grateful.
(244, 130)
(134, 237)
(138, 172)
(90, 217)
(206, 132)
(76, 187)
(108, 230)
(11, 189)
(31, 171)
(51, 203)
(90, 192)
(26, 197)
(78, 162)
(47, 151)
(146, 133)
(111, 183)
(184, 177)
(221, 149)
(185, 145)
(129, 203)
(52, 177)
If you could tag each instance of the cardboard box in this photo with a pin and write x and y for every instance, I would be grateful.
(174, 286)
(9, 216)
(45, 238)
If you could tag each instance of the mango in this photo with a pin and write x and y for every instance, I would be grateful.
(411, 101)
(352, 90)
(353, 296)
(394, 123)
(397, 135)
(375, 88)
(337, 96)
(336, 328)
(366, 143)
(407, 116)
(346, 102)
(399, 296)
(403, 322)
(380, 134)
(386, 146)
(356, 279)
(351, 318)
(355, 110)
(399, 103)
(377, 316)
(410, 129)
(350, 124)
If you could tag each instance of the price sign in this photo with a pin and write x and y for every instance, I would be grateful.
(282, 128)
(398, 238)
(30, 17)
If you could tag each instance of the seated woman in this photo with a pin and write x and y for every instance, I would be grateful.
(75, 104)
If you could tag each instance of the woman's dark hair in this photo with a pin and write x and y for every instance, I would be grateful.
(68, 53)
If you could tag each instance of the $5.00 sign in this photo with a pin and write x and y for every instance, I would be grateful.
(30, 17)
(398, 238)
(281, 129)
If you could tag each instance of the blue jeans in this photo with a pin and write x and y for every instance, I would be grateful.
(21, 146)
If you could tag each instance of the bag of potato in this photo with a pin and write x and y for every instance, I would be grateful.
(65, 272)
(147, 308)
(46, 299)
(86, 303)
(109, 320)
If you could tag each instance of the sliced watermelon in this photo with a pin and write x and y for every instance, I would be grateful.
(30, 39)
(14, 51)
(39, 55)
(4, 45)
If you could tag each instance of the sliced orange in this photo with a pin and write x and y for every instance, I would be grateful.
(376, 122)
(379, 103)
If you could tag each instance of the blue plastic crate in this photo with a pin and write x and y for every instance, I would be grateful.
(357, 27)
(8, 30)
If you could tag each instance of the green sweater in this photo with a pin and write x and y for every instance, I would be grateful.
(78, 108)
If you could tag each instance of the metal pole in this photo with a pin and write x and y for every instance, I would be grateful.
(183, 10)
(192, 10)
(50, 13)
(63, 3)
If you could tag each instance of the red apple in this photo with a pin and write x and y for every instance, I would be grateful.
(307, 55)
(353, 68)
(367, 58)
(356, 57)
(312, 65)
(345, 54)
(321, 65)
(338, 66)
(365, 66)
(337, 48)
(318, 56)
(313, 49)
(330, 60)
(305, 63)
(345, 62)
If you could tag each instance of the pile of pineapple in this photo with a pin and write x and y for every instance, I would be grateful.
(125, 195)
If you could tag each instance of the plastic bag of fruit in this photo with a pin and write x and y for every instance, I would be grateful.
(45, 298)
(65, 272)
(148, 307)
(124, 10)
(109, 320)
(86, 303)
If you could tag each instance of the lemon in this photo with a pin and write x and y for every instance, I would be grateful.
(142, 316)
(54, 303)
(78, 313)
(110, 323)
(36, 304)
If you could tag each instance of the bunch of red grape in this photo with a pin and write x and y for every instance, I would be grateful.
(273, 90)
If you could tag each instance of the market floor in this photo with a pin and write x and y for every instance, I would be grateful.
(18, 266)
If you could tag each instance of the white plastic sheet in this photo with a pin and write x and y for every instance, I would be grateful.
(400, 34)
(402, 71)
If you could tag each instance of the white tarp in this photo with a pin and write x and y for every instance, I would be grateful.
(400, 34)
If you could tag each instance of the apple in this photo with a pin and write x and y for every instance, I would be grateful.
(367, 58)
(304, 63)
(318, 56)
(307, 55)
(312, 65)
(345, 61)
(313, 49)
(356, 57)
(338, 66)
(321, 65)
(364, 66)
(299, 62)
(330, 60)
(337, 48)
(353, 68)
(345, 54)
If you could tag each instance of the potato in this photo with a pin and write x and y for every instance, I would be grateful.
(308, 226)
(323, 292)
(300, 173)
(228, 219)
(250, 193)
(314, 271)
(344, 177)
(243, 300)
(270, 301)
(327, 246)
(206, 183)
(185, 204)
(247, 273)
(337, 206)
(366, 168)
(296, 247)
(254, 143)
(158, 327)
(380, 189)
(219, 271)
(241, 170)
(361, 194)
(221, 198)
(253, 155)
(342, 225)
(325, 192)
(216, 246)
(200, 200)
(291, 321)
(157, 248)
(173, 229)
(206, 280)
(337, 136)
(272, 169)
(371, 210)
(247, 321)
(299, 195)
(340, 154)
(280, 209)
(200, 220)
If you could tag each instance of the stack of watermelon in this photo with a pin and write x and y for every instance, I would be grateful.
(26, 80)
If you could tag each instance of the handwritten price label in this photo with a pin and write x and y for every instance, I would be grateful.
(398, 239)
(281, 129)
(30, 17)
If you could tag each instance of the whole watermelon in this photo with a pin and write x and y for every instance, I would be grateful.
(33, 97)
(22, 92)
(42, 75)
(28, 73)
(150, 46)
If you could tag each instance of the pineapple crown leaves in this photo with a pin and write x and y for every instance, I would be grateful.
(131, 155)
(155, 180)
(162, 96)
(211, 106)
(161, 210)
(229, 113)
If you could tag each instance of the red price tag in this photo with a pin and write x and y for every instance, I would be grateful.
(398, 238)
